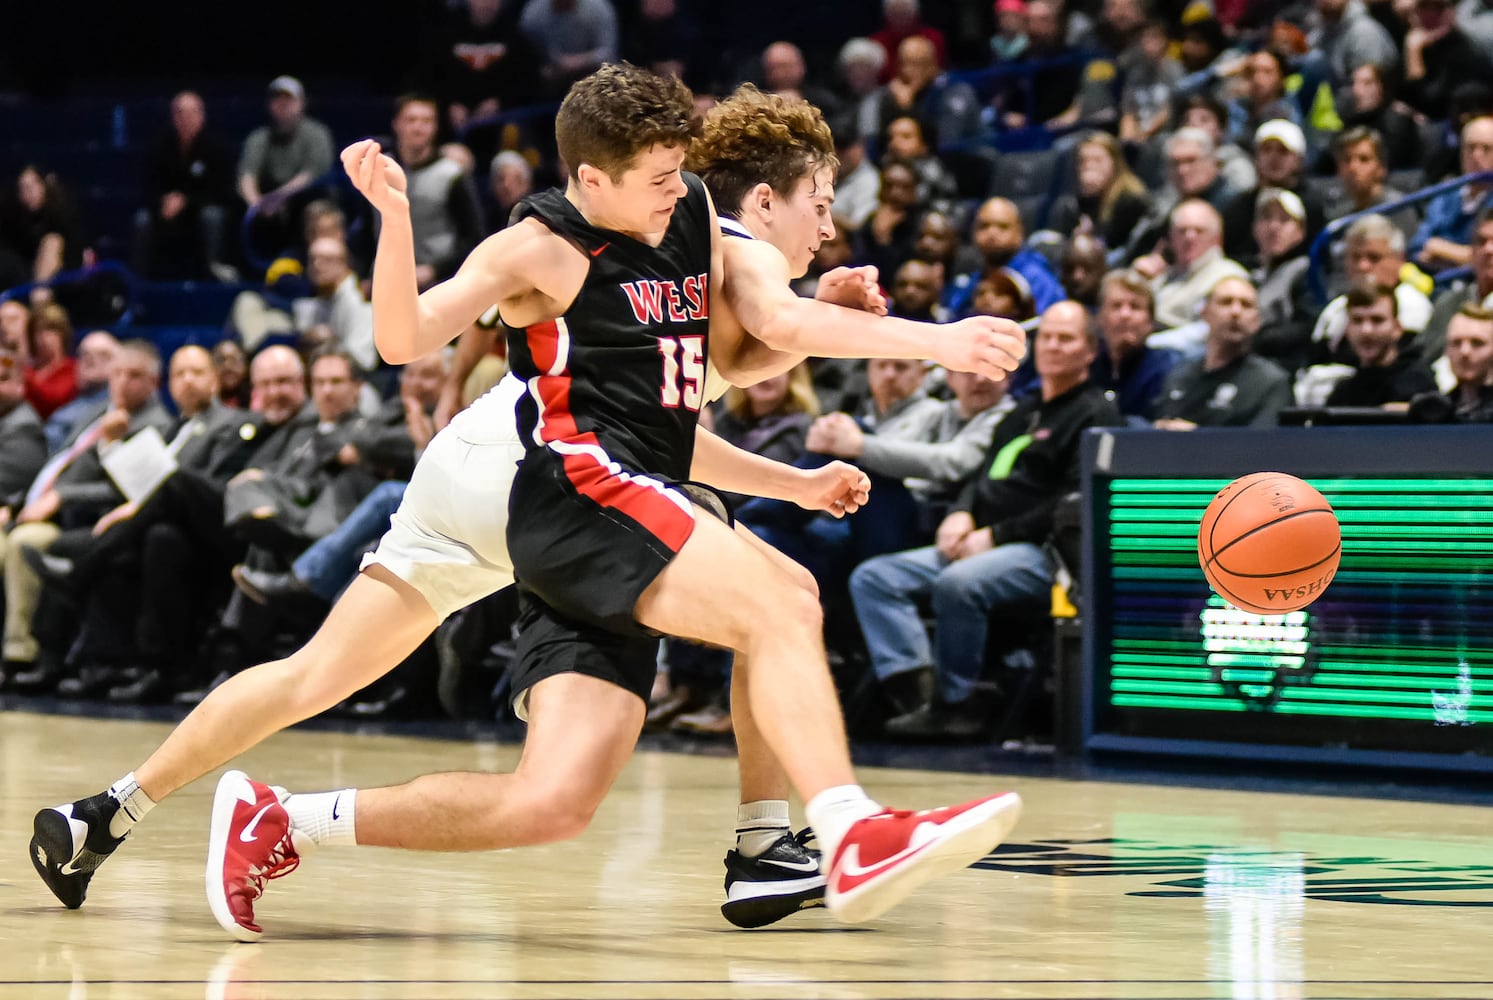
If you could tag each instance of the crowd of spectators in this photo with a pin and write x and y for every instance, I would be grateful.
(1141, 182)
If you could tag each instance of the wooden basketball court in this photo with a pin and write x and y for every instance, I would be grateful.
(1108, 890)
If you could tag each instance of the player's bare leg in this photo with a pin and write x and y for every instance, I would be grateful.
(70, 841)
(582, 731)
(750, 604)
(762, 774)
(770, 873)
(344, 655)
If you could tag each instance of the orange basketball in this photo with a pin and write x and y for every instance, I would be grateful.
(1269, 543)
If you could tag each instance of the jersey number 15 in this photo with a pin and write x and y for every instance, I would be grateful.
(684, 371)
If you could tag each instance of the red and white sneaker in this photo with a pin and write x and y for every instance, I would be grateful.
(251, 840)
(886, 856)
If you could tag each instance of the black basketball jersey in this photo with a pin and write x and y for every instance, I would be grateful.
(619, 379)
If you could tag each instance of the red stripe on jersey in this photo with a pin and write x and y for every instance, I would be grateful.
(590, 476)
(660, 517)
(544, 344)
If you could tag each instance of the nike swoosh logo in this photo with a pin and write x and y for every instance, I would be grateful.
(335, 803)
(598, 250)
(79, 831)
(793, 866)
(853, 874)
(248, 835)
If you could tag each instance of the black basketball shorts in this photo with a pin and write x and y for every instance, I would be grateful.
(589, 539)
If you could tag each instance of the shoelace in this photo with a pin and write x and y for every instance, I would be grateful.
(282, 861)
(806, 837)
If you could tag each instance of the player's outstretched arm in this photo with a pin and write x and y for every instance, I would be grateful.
(406, 324)
(756, 289)
(751, 361)
(839, 488)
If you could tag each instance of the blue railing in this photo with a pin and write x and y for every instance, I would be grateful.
(505, 117)
(79, 275)
(330, 180)
(1330, 232)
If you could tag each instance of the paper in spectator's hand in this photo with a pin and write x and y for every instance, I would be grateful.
(140, 464)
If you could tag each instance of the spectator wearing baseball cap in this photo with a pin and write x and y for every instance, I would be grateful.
(279, 162)
(1264, 97)
(1288, 309)
(1280, 162)
(1009, 41)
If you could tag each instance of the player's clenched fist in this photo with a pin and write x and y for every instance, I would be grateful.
(376, 175)
(837, 488)
(985, 345)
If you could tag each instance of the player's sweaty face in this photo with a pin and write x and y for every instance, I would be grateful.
(648, 190)
(803, 220)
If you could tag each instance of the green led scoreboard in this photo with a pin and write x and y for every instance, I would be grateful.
(1392, 666)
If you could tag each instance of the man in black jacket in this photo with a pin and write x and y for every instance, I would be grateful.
(989, 549)
(181, 230)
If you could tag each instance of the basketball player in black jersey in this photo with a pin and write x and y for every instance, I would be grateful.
(562, 775)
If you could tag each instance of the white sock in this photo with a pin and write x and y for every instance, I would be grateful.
(759, 824)
(834, 811)
(133, 805)
(324, 817)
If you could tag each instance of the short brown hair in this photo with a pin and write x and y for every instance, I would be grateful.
(619, 111)
(342, 354)
(1360, 134)
(1365, 294)
(753, 138)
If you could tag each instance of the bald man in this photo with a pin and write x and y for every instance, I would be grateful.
(1197, 264)
(1000, 237)
(1444, 238)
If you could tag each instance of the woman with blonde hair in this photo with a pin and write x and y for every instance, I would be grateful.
(1110, 200)
(771, 418)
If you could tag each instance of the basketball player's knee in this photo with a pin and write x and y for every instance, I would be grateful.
(803, 580)
(564, 813)
(310, 691)
(799, 607)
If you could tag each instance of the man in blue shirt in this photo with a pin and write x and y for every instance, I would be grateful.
(1000, 238)
(1443, 239)
(1125, 365)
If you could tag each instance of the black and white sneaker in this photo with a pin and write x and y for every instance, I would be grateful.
(70, 842)
(782, 880)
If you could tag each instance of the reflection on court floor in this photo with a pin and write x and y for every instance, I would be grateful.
(1106, 890)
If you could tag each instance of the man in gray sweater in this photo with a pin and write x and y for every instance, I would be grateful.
(917, 452)
(917, 463)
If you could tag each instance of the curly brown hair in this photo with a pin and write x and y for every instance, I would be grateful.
(619, 111)
(752, 138)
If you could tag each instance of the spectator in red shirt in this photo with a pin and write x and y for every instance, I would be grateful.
(53, 378)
